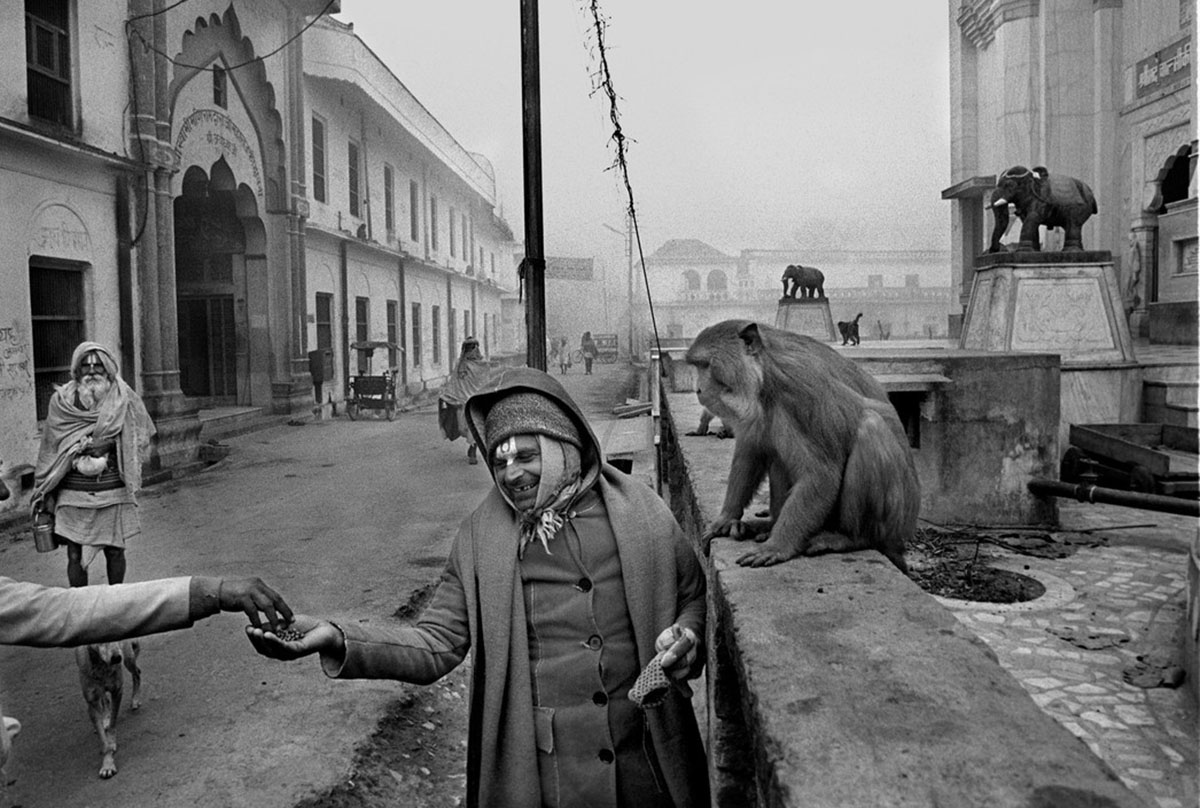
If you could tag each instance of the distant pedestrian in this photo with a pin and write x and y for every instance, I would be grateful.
(568, 581)
(469, 375)
(564, 356)
(89, 468)
(587, 346)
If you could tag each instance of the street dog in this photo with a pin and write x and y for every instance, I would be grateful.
(103, 683)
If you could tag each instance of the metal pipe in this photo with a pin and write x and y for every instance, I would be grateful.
(1113, 496)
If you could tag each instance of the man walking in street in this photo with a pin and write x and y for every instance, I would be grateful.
(89, 468)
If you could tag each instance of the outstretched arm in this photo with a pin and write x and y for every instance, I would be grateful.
(48, 617)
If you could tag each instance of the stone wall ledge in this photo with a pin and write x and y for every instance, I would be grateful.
(857, 688)
(836, 681)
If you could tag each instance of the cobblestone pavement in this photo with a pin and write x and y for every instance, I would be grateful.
(1107, 611)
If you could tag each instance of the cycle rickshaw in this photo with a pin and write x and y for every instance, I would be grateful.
(368, 391)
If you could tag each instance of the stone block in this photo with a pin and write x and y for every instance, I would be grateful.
(808, 316)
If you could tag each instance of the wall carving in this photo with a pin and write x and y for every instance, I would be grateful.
(57, 231)
(1060, 312)
(213, 133)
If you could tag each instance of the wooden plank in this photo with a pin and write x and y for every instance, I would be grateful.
(1105, 441)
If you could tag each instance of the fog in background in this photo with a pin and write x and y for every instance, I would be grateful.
(756, 125)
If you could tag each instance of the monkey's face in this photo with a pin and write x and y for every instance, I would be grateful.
(731, 397)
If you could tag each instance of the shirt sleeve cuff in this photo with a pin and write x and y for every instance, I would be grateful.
(334, 664)
(204, 597)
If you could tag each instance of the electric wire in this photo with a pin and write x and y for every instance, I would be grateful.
(602, 82)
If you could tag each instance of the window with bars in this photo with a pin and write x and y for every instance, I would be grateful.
(433, 223)
(452, 253)
(220, 87)
(414, 211)
(435, 322)
(352, 178)
(318, 159)
(362, 307)
(416, 335)
(389, 202)
(48, 61)
(393, 331)
(466, 253)
(57, 326)
(467, 323)
(324, 317)
(452, 336)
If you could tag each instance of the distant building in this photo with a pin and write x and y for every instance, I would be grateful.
(1102, 90)
(693, 285)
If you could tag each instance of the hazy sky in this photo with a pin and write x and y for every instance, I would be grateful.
(757, 124)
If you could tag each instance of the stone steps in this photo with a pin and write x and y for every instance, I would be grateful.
(1170, 402)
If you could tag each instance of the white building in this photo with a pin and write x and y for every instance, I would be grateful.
(215, 191)
(1101, 90)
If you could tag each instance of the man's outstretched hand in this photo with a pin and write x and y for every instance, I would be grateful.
(252, 596)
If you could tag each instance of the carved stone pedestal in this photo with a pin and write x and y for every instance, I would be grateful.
(806, 315)
(1063, 303)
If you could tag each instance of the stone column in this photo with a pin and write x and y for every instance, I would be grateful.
(176, 444)
(298, 393)
(1106, 72)
(1139, 284)
(1018, 34)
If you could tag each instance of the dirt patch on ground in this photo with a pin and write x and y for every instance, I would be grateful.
(957, 562)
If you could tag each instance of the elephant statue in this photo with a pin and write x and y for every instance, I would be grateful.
(809, 280)
(1041, 200)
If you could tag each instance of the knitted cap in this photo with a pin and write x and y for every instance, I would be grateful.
(528, 413)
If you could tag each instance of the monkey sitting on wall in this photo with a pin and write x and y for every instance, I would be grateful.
(849, 330)
(841, 473)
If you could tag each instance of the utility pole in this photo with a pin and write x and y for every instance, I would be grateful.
(534, 265)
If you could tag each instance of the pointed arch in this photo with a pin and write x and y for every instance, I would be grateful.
(219, 38)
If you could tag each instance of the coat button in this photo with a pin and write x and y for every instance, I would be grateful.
(584, 585)
(606, 756)
(600, 698)
(594, 642)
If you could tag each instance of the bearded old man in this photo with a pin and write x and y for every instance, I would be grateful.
(89, 468)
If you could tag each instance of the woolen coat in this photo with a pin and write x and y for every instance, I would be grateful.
(479, 607)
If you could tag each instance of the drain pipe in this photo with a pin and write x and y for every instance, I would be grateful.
(1113, 496)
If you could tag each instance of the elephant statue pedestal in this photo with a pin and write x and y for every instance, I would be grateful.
(1066, 303)
(806, 315)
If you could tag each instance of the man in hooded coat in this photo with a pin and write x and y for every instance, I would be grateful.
(565, 583)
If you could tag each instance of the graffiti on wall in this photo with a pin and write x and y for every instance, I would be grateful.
(16, 363)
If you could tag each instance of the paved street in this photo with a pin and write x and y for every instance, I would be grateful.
(346, 519)
(1105, 608)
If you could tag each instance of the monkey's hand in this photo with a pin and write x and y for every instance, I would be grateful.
(730, 526)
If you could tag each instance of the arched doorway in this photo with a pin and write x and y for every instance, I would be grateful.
(216, 227)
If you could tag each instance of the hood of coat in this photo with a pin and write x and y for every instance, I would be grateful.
(512, 380)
